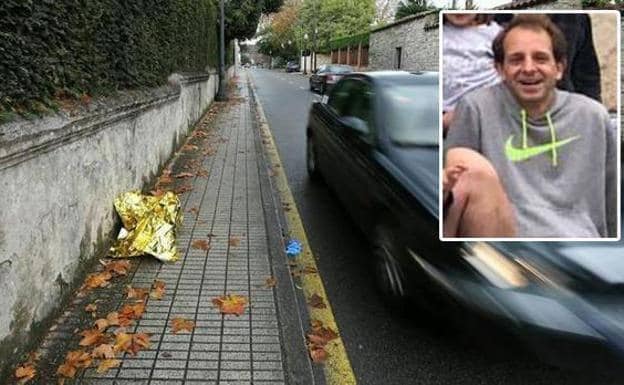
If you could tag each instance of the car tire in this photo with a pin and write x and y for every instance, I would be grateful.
(389, 275)
(312, 159)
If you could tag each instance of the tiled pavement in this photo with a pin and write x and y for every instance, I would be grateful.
(230, 208)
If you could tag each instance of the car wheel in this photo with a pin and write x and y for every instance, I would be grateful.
(312, 159)
(389, 275)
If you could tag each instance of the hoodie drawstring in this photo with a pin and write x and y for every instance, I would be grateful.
(553, 134)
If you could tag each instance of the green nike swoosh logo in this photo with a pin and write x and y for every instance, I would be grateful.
(519, 154)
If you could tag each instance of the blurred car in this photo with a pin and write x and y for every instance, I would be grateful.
(292, 66)
(375, 144)
(326, 76)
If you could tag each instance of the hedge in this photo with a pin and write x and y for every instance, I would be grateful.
(346, 41)
(73, 47)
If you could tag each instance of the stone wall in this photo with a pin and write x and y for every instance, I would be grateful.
(417, 36)
(59, 177)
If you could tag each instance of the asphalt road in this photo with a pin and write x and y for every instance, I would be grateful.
(384, 348)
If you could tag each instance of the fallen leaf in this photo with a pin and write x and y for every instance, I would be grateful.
(309, 270)
(106, 365)
(164, 180)
(184, 175)
(193, 210)
(270, 282)
(318, 354)
(92, 337)
(25, 373)
(201, 244)
(158, 192)
(95, 280)
(90, 308)
(112, 319)
(103, 351)
(189, 148)
(202, 173)
(234, 241)
(316, 302)
(179, 324)
(182, 189)
(231, 304)
(136, 292)
(158, 289)
(140, 341)
(130, 312)
(74, 360)
(118, 268)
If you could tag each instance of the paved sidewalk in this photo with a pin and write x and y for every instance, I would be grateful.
(230, 206)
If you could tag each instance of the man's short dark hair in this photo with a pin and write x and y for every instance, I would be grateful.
(534, 22)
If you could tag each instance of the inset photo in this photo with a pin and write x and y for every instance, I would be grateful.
(530, 130)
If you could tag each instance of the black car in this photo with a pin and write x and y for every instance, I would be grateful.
(292, 66)
(323, 79)
(375, 143)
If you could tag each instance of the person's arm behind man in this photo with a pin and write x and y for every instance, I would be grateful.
(585, 71)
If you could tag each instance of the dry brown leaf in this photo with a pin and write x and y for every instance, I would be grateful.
(108, 364)
(231, 304)
(103, 351)
(179, 324)
(158, 192)
(90, 308)
(118, 268)
(95, 280)
(130, 312)
(25, 373)
(318, 354)
(136, 292)
(316, 302)
(92, 337)
(164, 180)
(112, 319)
(184, 175)
(270, 282)
(74, 360)
(182, 189)
(123, 341)
(234, 241)
(202, 173)
(158, 289)
(309, 270)
(189, 147)
(201, 244)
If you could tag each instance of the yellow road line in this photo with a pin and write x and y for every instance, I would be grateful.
(337, 368)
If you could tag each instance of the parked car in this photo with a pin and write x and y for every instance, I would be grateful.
(292, 66)
(327, 75)
(375, 144)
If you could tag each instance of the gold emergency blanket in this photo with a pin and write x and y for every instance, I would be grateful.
(149, 225)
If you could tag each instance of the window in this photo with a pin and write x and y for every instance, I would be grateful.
(397, 57)
(339, 97)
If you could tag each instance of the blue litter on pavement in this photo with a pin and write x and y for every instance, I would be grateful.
(293, 248)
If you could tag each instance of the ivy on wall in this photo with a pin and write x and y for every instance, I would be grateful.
(54, 48)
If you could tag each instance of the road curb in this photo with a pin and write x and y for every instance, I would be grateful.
(337, 369)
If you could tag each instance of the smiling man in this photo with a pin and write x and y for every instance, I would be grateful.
(535, 161)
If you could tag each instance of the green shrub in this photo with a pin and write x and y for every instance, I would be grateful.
(75, 47)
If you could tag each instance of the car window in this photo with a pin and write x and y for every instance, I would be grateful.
(411, 117)
(360, 104)
(338, 100)
(322, 69)
(341, 69)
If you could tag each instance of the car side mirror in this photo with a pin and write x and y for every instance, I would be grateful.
(356, 124)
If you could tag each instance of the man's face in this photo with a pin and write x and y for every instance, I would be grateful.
(529, 67)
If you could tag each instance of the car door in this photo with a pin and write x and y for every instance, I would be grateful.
(328, 128)
(358, 141)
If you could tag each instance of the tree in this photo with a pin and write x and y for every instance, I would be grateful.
(242, 16)
(335, 18)
(282, 29)
(412, 7)
(385, 11)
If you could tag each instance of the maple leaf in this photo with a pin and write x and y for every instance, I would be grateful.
(158, 289)
(116, 267)
(90, 308)
(97, 280)
(74, 360)
(318, 354)
(234, 241)
(106, 365)
(184, 175)
(201, 244)
(141, 340)
(130, 312)
(103, 351)
(92, 337)
(270, 282)
(316, 301)
(231, 304)
(179, 324)
(136, 292)
(25, 373)
(123, 341)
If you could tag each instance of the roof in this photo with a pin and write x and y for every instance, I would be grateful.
(397, 76)
(406, 19)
